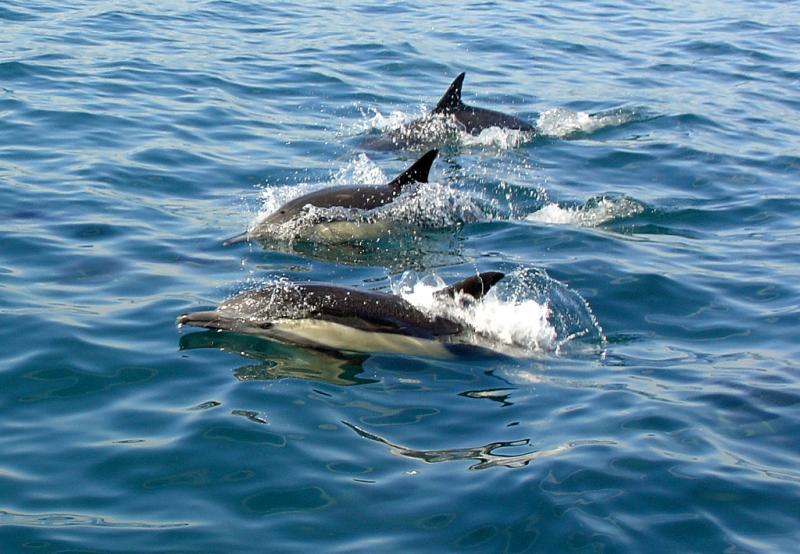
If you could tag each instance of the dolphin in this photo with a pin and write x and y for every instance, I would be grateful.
(336, 226)
(434, 127)
(345, 319)
(475, 119)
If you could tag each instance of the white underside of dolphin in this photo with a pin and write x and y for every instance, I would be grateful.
(335, 336)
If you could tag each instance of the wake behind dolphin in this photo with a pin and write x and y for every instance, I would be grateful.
(326, 214)
(330, 317)
(450, 117)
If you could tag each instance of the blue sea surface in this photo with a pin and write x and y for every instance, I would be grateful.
(653, 220)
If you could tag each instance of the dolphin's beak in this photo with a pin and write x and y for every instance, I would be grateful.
(199, 319)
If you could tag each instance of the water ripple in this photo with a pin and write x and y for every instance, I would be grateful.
(656, 212)
(77, 520)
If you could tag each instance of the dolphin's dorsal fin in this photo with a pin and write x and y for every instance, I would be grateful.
(476, 286)
(417, 173)
(452, 98)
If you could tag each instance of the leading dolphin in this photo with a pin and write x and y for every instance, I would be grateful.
(336, 226)
(433, 127)
(345, 319)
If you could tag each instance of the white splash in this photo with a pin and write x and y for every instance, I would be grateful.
(526, 313)
(435, 206)
(374, 120)
(496, 322)
(360, 170)
(496, 137)
(562, 123)
(593, 213)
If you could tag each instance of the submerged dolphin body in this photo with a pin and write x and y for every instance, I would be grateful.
(359, 197)
(433, 128)
(345, 319)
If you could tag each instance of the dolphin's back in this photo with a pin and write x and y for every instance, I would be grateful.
(364, 197)
(477, 119)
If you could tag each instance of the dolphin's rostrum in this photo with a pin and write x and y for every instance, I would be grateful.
(343, 318)
(359, 197)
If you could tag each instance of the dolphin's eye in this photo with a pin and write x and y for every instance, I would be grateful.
(282, 212)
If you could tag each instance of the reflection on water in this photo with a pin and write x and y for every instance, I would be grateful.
(498, 395)
(73, 520)
(485, 455)
(281, 361)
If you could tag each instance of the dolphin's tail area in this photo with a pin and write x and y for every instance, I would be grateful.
(417, 173)
(243, 237)
(476, 286)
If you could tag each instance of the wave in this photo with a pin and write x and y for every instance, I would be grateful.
(564, 123)
(594, 212)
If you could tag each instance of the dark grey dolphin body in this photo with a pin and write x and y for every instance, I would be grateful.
(472, 118)
(360, 197)
(343, 319)
(433, 128)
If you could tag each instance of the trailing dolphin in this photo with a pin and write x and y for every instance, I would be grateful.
(449, 116)
(334, 225)
(472, 118)
(345, 319)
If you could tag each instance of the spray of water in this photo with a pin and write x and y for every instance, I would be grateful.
(564, 123)
(526, 313)
(593, 213)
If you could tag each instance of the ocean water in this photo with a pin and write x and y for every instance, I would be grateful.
(645, 391)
